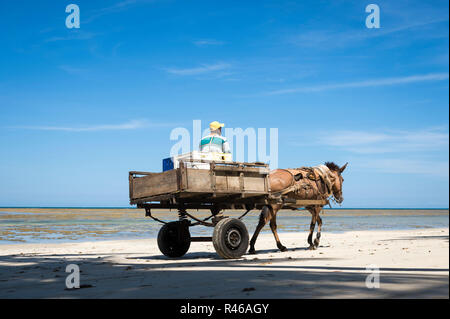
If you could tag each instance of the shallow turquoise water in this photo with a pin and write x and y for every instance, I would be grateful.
(63, 225)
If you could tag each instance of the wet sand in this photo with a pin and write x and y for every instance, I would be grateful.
(413, 264)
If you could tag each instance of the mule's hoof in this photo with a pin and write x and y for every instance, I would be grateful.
(312, 248)
(282, 248)
(252, 251)
(316, 243)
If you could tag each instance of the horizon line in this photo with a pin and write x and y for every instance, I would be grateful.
(132, 207)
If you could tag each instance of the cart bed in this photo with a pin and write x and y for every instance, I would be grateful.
(222, 180)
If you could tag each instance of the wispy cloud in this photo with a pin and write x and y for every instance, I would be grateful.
(74, 35)
(207, 42)
(117, 7)
(388, 141)
(204, 68)
(364, 83)
(72, 70)
(328, 39)
(116, 48)
(91, 16)
(412, 26)
(418, 152)
(405, 166)
(130, 125)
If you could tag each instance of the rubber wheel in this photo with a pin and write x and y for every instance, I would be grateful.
(230, 238)
(174, 239)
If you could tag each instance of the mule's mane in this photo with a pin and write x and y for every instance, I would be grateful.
(332, 166)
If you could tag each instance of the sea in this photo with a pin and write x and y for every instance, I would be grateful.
(59, 225)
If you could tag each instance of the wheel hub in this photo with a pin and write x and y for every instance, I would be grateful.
(234, 238)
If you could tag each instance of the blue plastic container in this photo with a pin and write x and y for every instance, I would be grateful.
(167, 164)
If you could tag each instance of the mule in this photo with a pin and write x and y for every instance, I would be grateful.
(321, 182)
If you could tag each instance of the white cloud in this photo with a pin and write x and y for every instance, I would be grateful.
(204, 68)
(207, 42)
(74, 35)
(406, 166)
(387, 142)
(366, 83)
(328, 39)
(131, 125)
(73, 70)
(117, 7)
(394, 152)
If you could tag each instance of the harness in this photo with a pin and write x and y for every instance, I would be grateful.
(315, 174)
(325, 173)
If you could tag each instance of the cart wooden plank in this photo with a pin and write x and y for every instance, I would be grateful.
(154, 184)
(223, 179)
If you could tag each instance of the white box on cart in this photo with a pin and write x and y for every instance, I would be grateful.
(190, 160)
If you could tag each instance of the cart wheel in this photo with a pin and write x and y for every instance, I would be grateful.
(174, 239)
(230, 238)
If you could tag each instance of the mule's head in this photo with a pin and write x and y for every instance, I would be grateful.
(337, 180)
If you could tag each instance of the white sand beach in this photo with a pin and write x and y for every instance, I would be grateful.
(412, 263)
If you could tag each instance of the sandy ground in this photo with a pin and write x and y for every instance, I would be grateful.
(412, 263)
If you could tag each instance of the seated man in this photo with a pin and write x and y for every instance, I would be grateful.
(215, 142)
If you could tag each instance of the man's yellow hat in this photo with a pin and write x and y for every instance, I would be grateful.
(215, 125)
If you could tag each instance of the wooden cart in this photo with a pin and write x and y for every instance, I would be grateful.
(225, 185)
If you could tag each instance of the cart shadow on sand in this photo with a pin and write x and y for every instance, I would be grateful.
(203, 275)
(214, 256)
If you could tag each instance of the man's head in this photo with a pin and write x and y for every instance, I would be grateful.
(216, 127)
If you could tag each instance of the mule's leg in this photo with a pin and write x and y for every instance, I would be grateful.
(319, 228)
(311, 227)
(273, 227)
(264, 217)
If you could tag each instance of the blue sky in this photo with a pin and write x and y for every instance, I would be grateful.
(82, 107)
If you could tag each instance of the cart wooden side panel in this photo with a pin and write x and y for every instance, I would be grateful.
(222, 179)
(153, 184)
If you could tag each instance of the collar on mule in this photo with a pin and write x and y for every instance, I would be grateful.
(327, 177)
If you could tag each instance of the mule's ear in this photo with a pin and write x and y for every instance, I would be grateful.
(343, 168)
